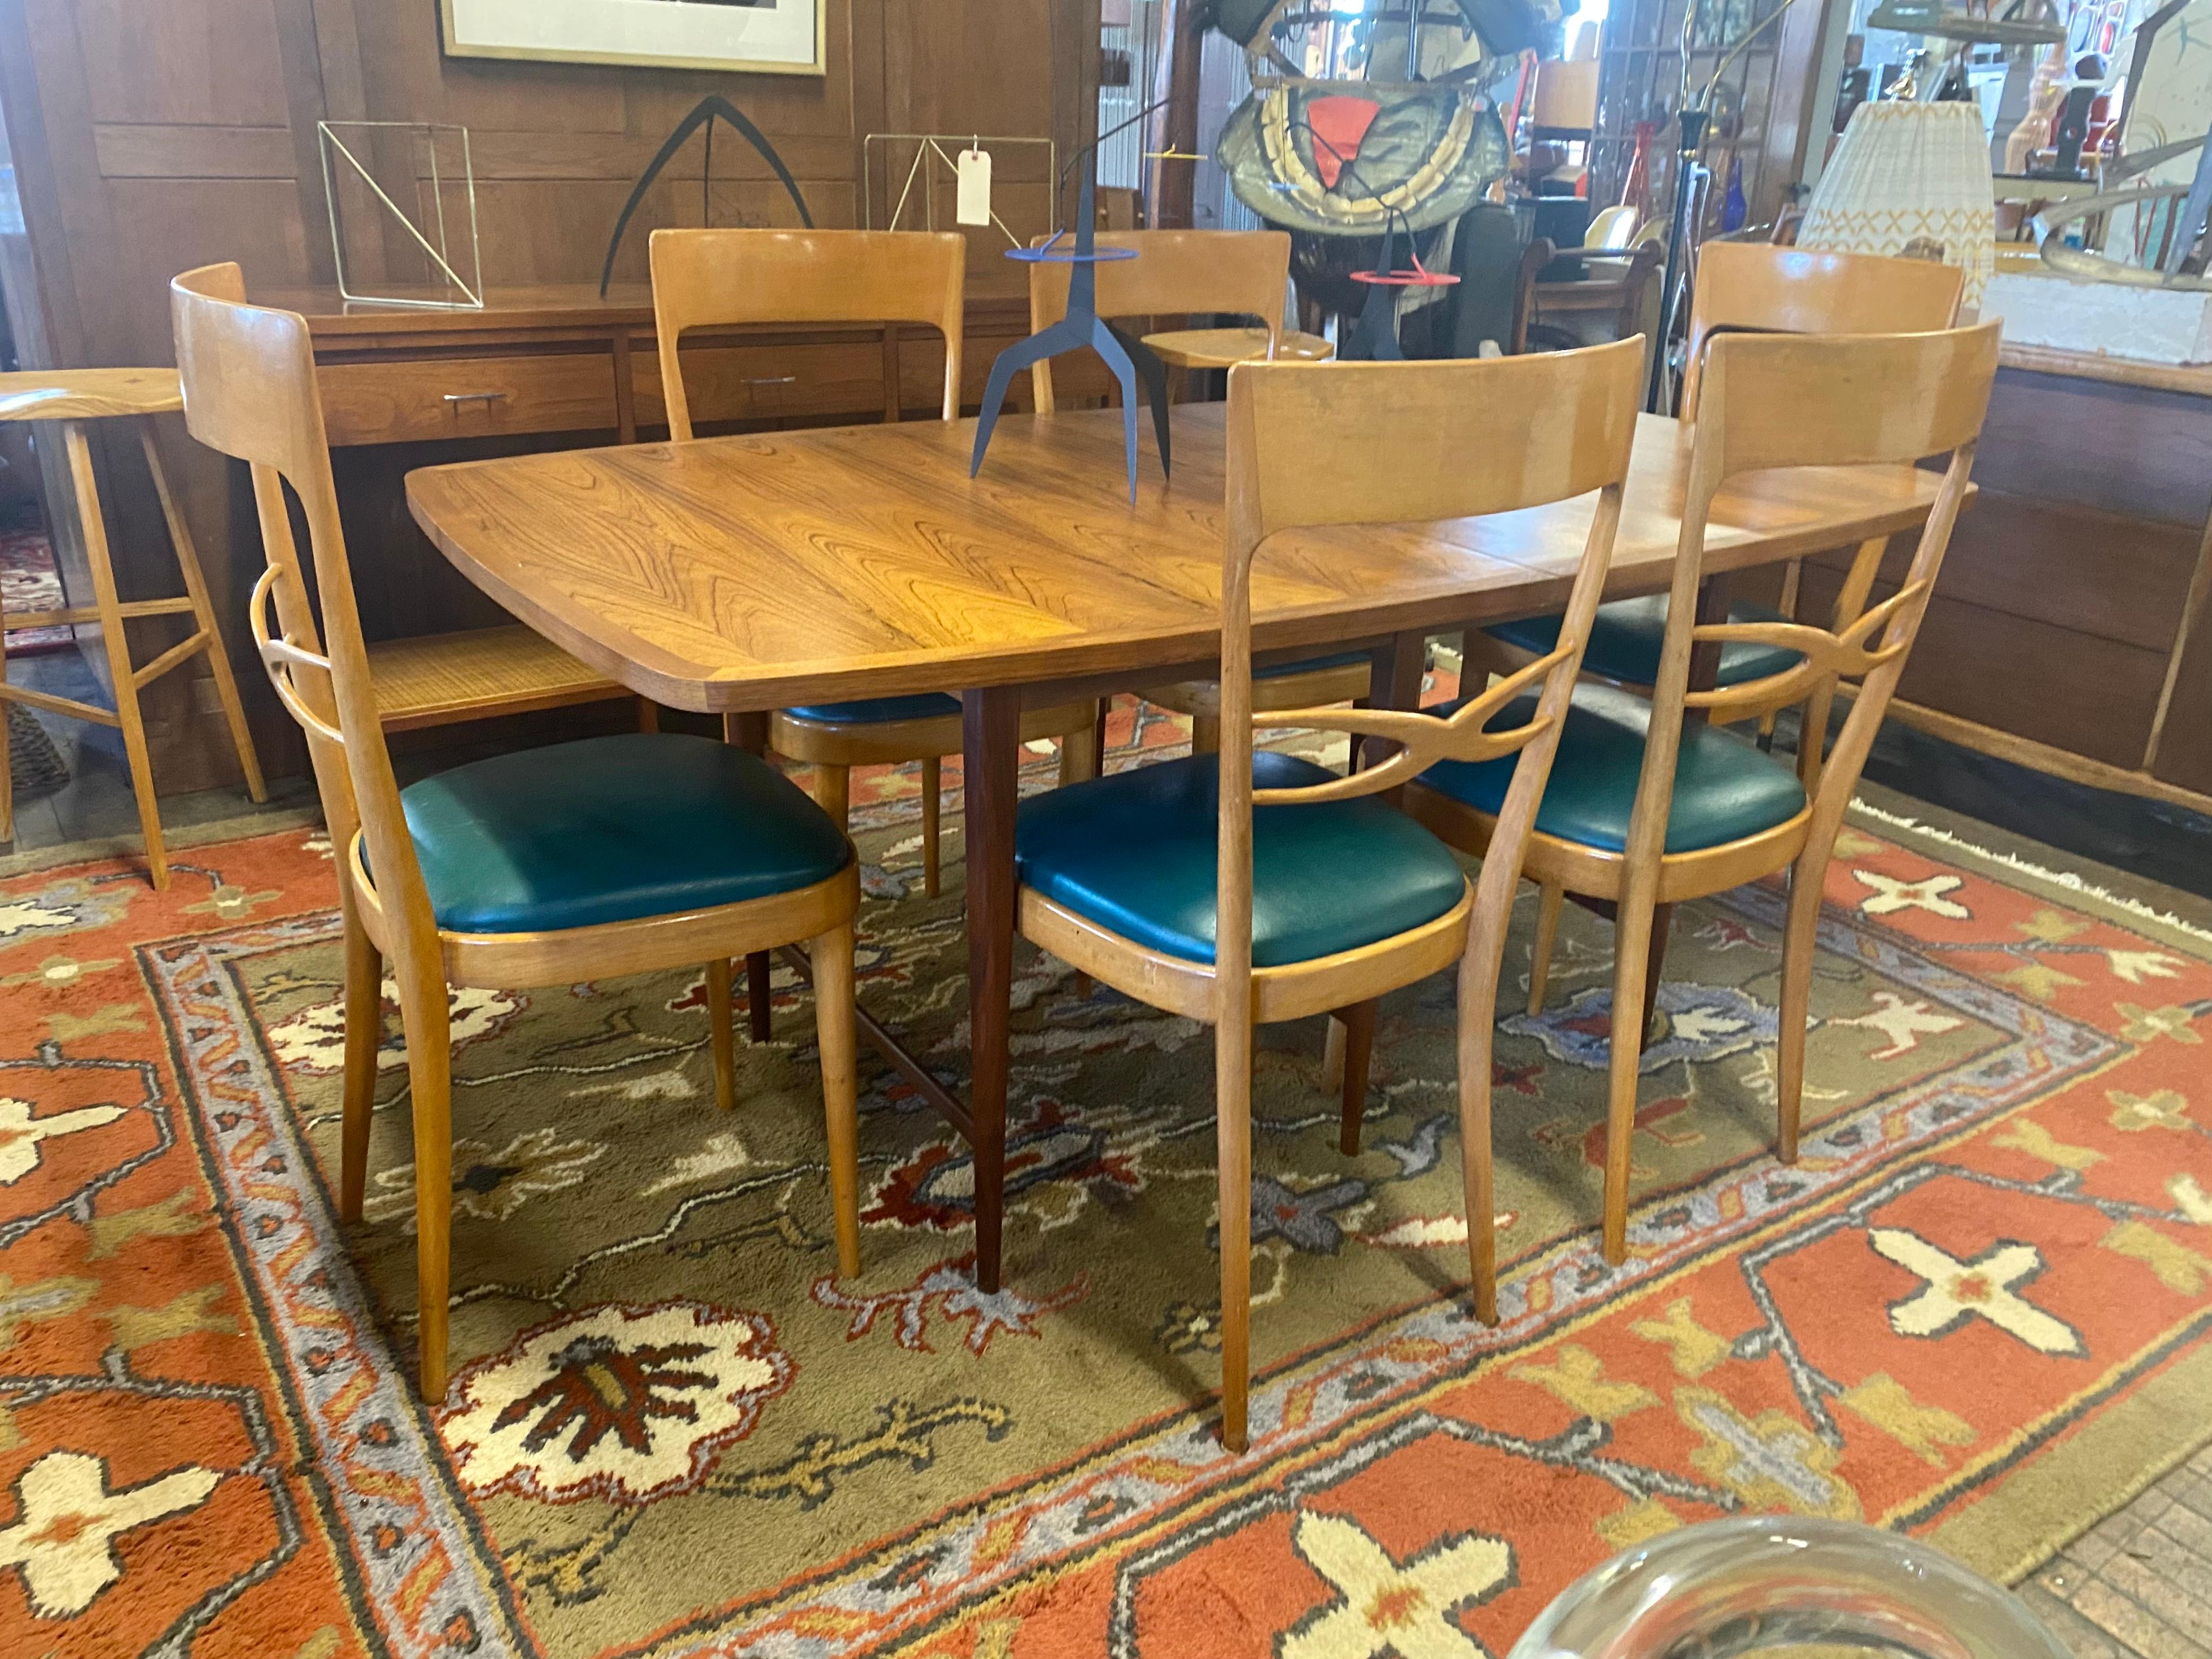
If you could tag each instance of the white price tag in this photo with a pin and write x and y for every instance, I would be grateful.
(974, 205)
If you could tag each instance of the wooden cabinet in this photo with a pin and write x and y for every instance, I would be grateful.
(412, 400)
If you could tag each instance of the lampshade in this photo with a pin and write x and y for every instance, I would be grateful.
(1907, 173)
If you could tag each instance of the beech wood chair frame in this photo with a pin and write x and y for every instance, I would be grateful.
(1420, 441)
(74, 399)
(1769, 401)
(1756, 288)
(724, 278)
(250, 393)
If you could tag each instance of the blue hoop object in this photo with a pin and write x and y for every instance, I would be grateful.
(1047, 256)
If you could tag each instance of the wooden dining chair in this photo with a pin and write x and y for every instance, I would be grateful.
(1748, 287)
(1183, 273)
(1651, 803)
(1242, 888)
(583, 860)
(724, 278)
(74, 399)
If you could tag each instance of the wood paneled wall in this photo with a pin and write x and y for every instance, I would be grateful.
(151, 137)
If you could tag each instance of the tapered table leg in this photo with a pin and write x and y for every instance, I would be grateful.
(991, 768)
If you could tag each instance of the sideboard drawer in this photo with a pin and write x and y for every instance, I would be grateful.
(767, 382)
(410, 400)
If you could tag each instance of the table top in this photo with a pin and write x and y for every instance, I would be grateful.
(791, 568)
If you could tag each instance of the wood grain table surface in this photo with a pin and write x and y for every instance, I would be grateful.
(737, 575)
(763, 571)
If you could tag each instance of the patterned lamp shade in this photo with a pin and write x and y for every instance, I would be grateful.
(1907, 173)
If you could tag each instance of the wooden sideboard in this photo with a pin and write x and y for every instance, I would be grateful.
(2069, 631)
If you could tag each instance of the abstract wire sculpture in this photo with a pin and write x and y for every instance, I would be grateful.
(711, 108)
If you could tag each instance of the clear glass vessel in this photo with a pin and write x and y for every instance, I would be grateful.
(1769, 1583)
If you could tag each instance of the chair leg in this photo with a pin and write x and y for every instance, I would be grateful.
(760, 996)
(648, 715)
(188, 565)
(1332, 1055)
(422, 1007)
(833, 792)
(109, 607)
(1098, 737)
(364, 1038)
(1634, 927)
(1359, 1058)
(1205, 734)
(7, 780)
(1807, 882)
(1084, 987)
(1081, 753)
(835, 1033)
(1550, 901)
(1654, 966)
(723, 1035)
(933, 828)
(1478, 1013)
(1232, 1094)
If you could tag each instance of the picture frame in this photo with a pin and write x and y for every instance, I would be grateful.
(754, 37)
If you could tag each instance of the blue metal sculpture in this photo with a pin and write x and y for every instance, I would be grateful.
(1128, 357)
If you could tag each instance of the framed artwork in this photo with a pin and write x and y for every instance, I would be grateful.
(777, 37)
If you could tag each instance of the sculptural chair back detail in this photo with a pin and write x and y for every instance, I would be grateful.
(724, 278)
(1652, 803)
(537, 868)
(1244, 888)
(1244, 273)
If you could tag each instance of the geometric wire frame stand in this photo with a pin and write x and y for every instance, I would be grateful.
(925, 143)
(439, 254)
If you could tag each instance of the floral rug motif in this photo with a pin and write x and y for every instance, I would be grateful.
(29, 581)
(1974, 1309)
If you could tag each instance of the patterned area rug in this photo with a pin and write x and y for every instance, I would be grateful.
(1974, 1310)
(34, 765)
(28, 581)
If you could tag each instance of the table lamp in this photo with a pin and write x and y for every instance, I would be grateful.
(1906, 173)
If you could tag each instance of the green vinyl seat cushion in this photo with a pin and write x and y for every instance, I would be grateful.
(1725, 789)
(1135, 853)
(880, 711)
(1625, 642)
(612, 830)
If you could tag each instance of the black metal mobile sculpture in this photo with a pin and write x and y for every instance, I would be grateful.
(713, 107)
(1128, 357)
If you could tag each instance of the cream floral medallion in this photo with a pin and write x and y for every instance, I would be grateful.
(625, 1404)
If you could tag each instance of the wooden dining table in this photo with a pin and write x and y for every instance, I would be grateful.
(738, 574)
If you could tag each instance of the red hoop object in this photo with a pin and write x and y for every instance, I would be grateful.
(1419, 276)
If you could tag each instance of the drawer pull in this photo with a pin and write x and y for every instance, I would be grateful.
(457, 399)
(773, 380)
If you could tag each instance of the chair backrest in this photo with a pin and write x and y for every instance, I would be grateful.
(1773, 401)
(1610, 228)
(250, 393)
(722, 278)
(1756, 288)
(1244, 273)
(1413, 443)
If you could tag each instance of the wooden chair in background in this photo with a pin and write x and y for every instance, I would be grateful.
(74, 397)
(1651, 803)
(1745, 288)
(724, 278)
(1182, 273)
(543, 867)
(1243, 889)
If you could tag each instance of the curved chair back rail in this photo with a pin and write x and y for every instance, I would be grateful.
(721, 278)
(1246, 273)
(1754, 287)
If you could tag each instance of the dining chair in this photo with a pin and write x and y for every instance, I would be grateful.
(1243, 889)
(606, 856)
(1651, 803)
(74, 399)
(726, 278)
(1183, 273)
(1748, 287)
